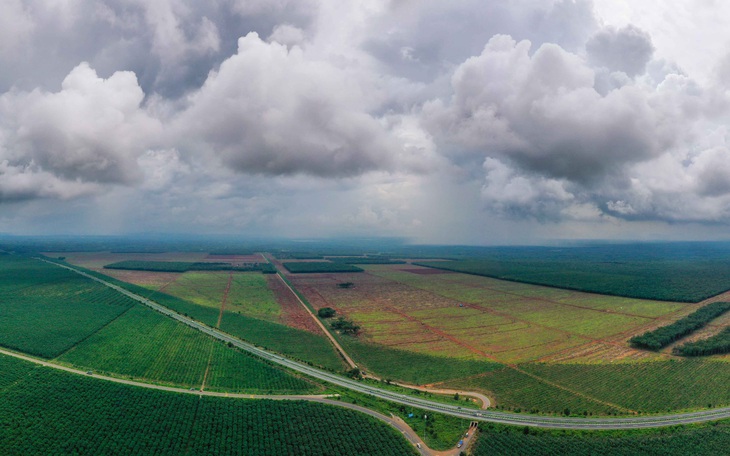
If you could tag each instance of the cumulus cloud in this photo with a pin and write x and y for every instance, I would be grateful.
(27, 182)
(91, 131)
(543, 112)
(627, 50)
(520, 109)
(270, 110)
(507, 191)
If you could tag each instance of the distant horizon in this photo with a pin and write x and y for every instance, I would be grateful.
(161, 239)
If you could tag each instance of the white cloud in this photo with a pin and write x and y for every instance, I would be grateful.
(425, 117)
(271, 110)
(92, 130)
(542, 111)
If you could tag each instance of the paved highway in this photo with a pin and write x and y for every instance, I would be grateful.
(453, 410)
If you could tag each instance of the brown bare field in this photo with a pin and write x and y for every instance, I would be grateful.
(427, 271)
(292, 312)
(470, 317)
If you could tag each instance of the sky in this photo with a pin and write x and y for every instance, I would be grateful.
(459, 122)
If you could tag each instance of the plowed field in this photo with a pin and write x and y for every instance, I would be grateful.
(462, 316)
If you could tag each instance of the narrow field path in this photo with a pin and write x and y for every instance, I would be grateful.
(224, 299)
(328, 399)
(324, 329)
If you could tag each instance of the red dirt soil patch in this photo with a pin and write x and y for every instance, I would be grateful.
(292, 312)
(223, 301)
(154, 280)
(426, 271)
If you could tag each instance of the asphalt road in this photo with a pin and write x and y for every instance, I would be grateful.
(515, 419)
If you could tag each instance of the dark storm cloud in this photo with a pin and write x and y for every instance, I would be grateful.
(170, 45)
(528, 106)
(628, 49)
(420, 39)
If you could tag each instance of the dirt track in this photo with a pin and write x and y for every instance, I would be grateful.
(396, 422)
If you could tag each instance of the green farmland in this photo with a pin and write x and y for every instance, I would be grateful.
(706, 440)
(671, 280)
(293, 342)
(69, 414)
(46, 310)
(147, 346)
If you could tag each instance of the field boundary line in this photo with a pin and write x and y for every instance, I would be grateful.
(577, 393)
(321, 325)
(225, 298)
(334, 342)
(134, 304)
(508, 365)
(173, 389)
(515, 419)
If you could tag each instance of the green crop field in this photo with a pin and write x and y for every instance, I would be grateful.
(148, 346)
(705, 440)
(516, 391)
(202, 288)
(680, 280)
(665, 335)
(648, 387)
(248, 294)
(45, 310)
(50, 412)
(414, 368)
(294, 342)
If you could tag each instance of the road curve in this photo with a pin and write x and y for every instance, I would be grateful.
(515, 419)
(397, 423)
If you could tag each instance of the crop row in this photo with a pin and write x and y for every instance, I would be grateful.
(294, 342)
(146, 345)
(410, 367)
(682, 280)
(707, 440)
(661, 337)
(53, 309)
(517, 391)
(715, 345)
(51, 412)
(653, 387)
